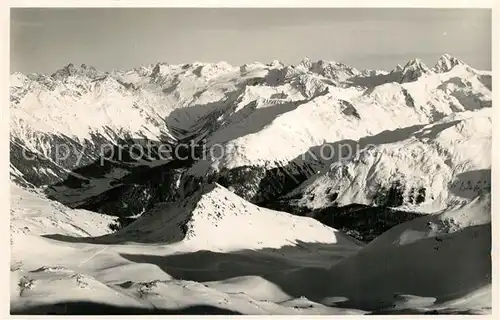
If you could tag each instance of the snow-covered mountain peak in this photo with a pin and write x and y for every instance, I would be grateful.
(160, 68)
(71, 70)
(415, 62)
(306, 63)
(276, 64)
(18, 79)
(207, 220)
(447, 62)
(413, 70)
(68, 70)
(398, 68)
(334, 70)
(330, 69)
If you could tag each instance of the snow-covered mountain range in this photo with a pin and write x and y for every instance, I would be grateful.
(265, 117)
(400, 157)
(431, 168)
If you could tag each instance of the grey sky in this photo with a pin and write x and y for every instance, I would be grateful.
(43, 40)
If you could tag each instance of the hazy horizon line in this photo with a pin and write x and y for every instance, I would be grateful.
(237, 65)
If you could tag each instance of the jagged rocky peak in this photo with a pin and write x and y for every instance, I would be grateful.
(447, 62)
(399, 68)
(306, 63)
(331, 69)
(71, 70)
(89, 71)
(413, 70)
(372, 73)
(144, 71)
(415, 64)
(159, 67)
(67, 71)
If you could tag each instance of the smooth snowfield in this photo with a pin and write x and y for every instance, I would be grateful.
(152, 267)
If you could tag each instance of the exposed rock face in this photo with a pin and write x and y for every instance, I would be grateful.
(413, 70)
(446, 63)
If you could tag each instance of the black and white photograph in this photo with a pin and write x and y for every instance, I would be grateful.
(250, 160)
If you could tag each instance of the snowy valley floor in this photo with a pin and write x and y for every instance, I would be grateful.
(60, 264)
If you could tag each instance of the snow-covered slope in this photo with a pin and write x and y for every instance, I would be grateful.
(283, 135)
(77, 103)
(158, 266)
(289, 130)
(448, 256)
(143, 270)
(439, 263)
(82, 111)
(433, 167)
(207, 220)
(32, 213)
